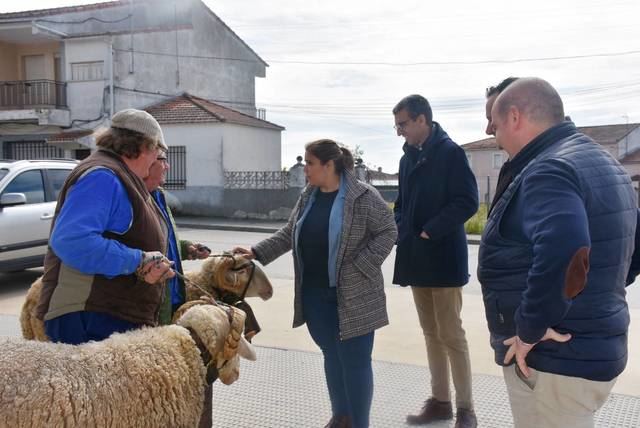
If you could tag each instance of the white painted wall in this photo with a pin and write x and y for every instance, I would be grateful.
(226, 82)
(247, 148)
(85, 98)
(482, 167)
(204, 151)
(215, 147)
(629, 144)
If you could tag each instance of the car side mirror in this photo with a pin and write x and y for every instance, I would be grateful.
(8, 199)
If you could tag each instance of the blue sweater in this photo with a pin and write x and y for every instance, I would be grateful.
(97, 203)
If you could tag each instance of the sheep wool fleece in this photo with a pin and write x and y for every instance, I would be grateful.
(151, 377)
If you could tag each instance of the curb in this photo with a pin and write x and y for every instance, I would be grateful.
(238, 228)
(471, 240)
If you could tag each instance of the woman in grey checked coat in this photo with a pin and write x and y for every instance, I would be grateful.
(340, 232)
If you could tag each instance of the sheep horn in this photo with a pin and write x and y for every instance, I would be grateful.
(246, 350)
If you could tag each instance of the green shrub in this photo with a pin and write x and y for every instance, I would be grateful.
(475, 225)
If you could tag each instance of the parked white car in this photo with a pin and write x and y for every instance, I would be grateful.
(28, 193)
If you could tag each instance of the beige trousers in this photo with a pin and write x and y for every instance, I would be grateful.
(554, 401)
(439, 313)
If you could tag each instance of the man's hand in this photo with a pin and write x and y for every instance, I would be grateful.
(247, 253)
(424, 235)
(198, 251)
(519, 349)
(155, 268)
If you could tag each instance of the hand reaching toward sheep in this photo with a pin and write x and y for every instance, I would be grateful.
(198, 251)
(245, 252)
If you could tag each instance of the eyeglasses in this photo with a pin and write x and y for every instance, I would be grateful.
(401, 125)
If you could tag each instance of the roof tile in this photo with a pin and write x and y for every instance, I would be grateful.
(187, 108)
(603, 134)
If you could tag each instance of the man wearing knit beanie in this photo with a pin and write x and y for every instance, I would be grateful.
(105, 268)
(139, 121)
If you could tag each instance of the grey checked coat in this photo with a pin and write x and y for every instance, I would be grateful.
(368, 235)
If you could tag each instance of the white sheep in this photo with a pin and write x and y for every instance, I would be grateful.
(219, 276)
(151, 377)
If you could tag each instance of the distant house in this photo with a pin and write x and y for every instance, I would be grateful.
(387, 184)
(622, 141)
(64, 71)
(208, 142)
(379, 178)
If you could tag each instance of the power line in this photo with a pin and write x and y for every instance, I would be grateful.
(393, 64)
(477, 62)
(161, 94)
(173, 55)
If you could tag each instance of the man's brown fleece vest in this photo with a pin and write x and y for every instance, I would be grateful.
(67, 290)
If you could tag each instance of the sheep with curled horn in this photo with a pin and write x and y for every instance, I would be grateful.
(229, 278)
(225, 277)
(152, 376)
(230, 275)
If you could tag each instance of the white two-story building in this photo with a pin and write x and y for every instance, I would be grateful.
(65, 71)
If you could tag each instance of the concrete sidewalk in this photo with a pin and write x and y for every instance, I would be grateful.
(249, 225)
(285, 388)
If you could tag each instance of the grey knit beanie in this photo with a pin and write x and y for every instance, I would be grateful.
(139, 121)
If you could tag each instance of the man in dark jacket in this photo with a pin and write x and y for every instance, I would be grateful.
(553, 262)
(437, 194)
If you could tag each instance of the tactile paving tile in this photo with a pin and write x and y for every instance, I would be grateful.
(285, 388)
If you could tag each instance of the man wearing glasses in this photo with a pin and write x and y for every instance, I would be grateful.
(176, 249)
(437, 193)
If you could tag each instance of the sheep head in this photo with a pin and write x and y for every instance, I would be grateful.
(220, 330)
(230, 274)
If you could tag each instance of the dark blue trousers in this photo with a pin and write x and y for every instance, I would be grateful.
(79, 327)
(347, 363)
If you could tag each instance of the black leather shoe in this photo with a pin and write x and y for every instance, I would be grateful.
(339, 422)
(466, 418)
(433, 410)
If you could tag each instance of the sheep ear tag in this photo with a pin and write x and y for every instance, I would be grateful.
(246, 350)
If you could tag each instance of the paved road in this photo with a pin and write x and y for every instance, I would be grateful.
(400, 342)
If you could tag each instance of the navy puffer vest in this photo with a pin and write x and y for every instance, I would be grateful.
(598, 318)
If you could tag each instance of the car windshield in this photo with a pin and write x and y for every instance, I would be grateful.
(3, 172)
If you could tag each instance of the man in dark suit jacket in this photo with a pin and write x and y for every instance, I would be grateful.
(437, 194)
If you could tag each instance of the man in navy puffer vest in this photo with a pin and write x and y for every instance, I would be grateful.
(553, 262)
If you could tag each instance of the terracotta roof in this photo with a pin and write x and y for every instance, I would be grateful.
(69, 136)
(187, 108)
(608, 134)
(487, 143)
(603, 134)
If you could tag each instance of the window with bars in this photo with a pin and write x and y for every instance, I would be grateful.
(177, 174)
(93, 70)
(19, 150)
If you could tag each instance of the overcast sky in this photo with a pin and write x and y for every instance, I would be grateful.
(337, 68)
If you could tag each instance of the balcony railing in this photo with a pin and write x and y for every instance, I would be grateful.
(256, 180)
(21, 94)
